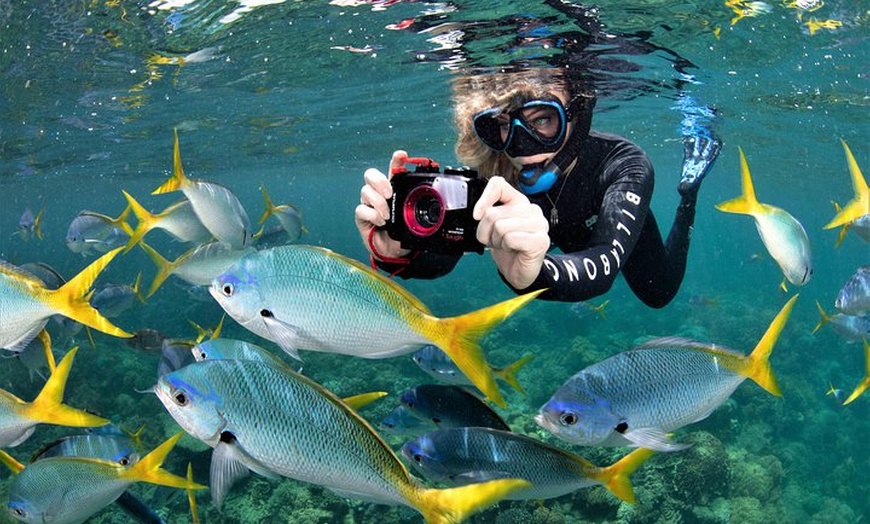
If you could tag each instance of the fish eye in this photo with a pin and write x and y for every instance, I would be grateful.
(125, 461)
(180, 398)
(202, 355)
(568, 419)
(18, 512)
(228, 289)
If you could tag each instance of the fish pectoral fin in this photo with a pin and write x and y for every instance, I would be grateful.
(653, 438)
(283, 334)
(230, 464)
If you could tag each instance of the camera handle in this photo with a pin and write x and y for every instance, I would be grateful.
(423, 164)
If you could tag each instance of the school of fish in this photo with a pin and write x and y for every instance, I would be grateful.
(260, 415)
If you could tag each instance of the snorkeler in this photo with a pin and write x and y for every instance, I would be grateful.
(552, 182)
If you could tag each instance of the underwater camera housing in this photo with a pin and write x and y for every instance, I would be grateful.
(431, 209)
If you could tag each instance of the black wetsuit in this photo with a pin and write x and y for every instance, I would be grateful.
(604, 226)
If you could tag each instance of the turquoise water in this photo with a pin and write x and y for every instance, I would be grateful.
(269, 97)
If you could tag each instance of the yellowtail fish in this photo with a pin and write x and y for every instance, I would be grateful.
(287, 214)
(179, 220)
(91, 233)
(852, 328)
(865, 382)
(217, 207)
(68, 490)
(279, 423)
(438, 365)
(18, 418)
(782, 235)
(306, 297)
(461, 456)
(26, 304)
(637, 397)
(198, 266)
(859, 206)
(854, 296)
(30, 226)
(450, 407)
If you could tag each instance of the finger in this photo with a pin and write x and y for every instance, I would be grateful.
(398, 160)
(506, 228)
(374, 200)
(367, 217)
(378, 181)
(497, 190)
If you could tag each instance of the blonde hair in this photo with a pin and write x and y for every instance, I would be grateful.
(505, 90)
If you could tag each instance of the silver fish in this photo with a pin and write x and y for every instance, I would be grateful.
(91, 233)
(638, 396)
(460, 456)
(217, 207)
(450, 406)
(782, 235)
(276, 422)
(854, 296)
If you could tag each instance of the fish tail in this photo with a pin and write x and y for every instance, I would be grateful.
(177, 180)
(600, 309)
(48, 407)
(825, 318)
(746, 203)
(509, 373)
(616, 476)
(460, 341)
(37, 224)
(866, 382)
(758, 363)
(164, 268)
(454, 505)
(858, 206)
(270, 207)
(146, 221)
(71, 299)
(149, 469)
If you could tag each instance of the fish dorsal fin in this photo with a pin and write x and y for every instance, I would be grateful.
(691, 344)
(376, 277)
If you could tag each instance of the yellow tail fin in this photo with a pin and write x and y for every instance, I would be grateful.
(858, 206)
(164, 267)
(509, 373)
(825, 318)
(148, 469)
(270, 207)
(757, 363)
(48, 407)
(71, 299)
(862, 387)
(451, 506)
(745, 204)
(460, 336)
(616, 476)
(177, 180)
(146, 221)
(45, 338)
(191, 495)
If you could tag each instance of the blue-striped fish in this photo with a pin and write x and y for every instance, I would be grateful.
(635, 398)
(279, 423)
(306, 297)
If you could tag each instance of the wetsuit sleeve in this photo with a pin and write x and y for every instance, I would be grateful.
(422, 265)
(580, 275)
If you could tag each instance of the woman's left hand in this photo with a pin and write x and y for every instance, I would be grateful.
(515, 231)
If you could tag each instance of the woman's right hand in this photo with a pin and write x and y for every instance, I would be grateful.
(373, 211)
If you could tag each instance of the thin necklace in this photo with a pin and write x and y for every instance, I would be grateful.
(554, 213)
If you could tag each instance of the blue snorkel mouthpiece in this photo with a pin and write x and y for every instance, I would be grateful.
(538, 178)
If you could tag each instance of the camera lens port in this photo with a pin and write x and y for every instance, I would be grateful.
(423, 211)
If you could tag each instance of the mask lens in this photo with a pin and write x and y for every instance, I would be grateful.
(493, 128)
(542, 121)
